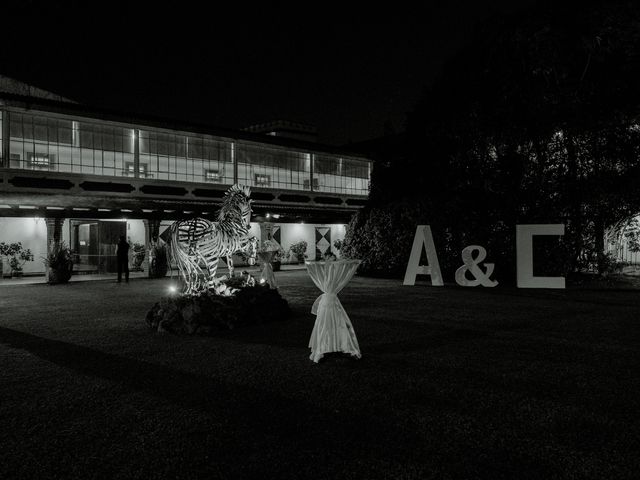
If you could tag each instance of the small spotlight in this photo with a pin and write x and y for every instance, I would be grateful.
(172, 289)
(262, 280)
(268, 215)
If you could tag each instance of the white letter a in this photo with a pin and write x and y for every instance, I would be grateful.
(423, 237)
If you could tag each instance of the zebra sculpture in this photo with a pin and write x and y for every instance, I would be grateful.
(200, 241)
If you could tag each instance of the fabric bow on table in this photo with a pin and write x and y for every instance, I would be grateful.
(326, 300)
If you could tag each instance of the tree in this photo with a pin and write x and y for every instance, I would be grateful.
(535, 121)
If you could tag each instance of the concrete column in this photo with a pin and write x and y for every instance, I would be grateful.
(235, 163)
(54, 236)
(4, 159)
(136, 153)
(311, 162)
(151, 233)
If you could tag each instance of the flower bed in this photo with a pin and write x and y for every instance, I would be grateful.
(210, 312)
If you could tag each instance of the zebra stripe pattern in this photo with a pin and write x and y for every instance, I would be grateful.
(199, 241)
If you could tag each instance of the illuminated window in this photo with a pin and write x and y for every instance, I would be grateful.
(262, 180)
(315, 184)
(130, 172)
(212, 176)
(39, 161)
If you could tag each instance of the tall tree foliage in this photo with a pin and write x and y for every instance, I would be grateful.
(536, 121)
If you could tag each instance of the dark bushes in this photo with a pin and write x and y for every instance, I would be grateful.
(209, 313)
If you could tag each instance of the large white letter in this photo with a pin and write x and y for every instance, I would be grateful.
(524, 252)
(423, 237)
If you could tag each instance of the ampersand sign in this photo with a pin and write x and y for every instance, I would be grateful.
(471, 265)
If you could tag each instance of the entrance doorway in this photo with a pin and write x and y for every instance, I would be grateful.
(94, 243)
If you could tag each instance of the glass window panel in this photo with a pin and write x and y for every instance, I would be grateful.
(108, 159)
(40, 129)
(65, 135)
(106, 149)
(108, 141)
(15, 125)
(341, 175)
(97, 140)
(86, 137)
(23, 127)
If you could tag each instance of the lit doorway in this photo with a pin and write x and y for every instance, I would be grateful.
(94, 243)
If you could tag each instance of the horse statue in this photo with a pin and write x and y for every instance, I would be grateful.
(200, 241)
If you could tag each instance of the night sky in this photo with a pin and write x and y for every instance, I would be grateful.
(352, 75)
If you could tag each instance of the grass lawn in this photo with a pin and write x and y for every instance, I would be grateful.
(453, 383)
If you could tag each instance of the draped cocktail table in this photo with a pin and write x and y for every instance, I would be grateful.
(332, 331)
(267, 271)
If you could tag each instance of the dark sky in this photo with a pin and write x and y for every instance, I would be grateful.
(345, 72)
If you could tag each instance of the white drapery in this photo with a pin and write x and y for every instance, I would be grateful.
(332, 331)
(267, 271)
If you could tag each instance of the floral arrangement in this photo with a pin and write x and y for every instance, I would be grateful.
(231, 302)
(139, 252)
(228, 286)
(280, 255)
(269, 251)
(298, 250)
(269, 246)
(329, 257)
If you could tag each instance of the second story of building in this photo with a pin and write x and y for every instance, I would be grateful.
(52, 140)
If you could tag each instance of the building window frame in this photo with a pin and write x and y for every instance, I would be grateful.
(143, 169)
(262, 180)
(40, 161)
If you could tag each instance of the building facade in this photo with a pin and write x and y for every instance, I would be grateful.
(85, 176)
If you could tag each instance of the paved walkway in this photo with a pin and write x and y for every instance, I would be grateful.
(30, 280)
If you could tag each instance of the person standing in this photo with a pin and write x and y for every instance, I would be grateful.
(123, 259)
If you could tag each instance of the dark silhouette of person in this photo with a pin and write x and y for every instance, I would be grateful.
(123, 259)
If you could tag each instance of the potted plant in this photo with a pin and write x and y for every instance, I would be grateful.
(338, 246)
(297, 251)
(158, 265)
(4, 253)
(138, 256)
(276, 263)
(59, 263)
(17, 255)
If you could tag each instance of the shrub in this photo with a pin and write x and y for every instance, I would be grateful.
(159, 262)
(382, 238)
(17, 254)
(210, 312)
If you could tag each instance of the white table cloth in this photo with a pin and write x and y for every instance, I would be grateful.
(267, 271)
(332, 331)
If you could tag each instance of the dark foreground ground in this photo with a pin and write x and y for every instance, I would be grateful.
(453, 383)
